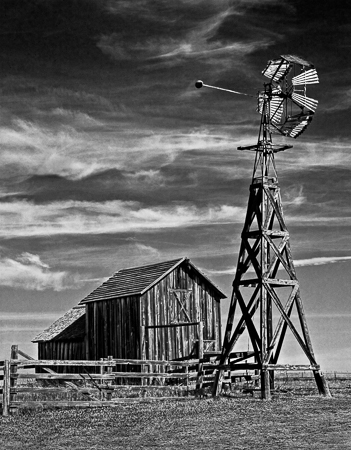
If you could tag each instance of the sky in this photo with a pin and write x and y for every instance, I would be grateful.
(110, 158)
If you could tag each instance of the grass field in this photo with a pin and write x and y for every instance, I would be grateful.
(287, 422)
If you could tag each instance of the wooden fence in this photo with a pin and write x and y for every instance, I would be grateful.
(151, 374)
(189, 376)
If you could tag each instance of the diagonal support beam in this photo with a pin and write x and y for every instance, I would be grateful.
(287, 319)
(279, 327)
(252, 307)
(278, 255)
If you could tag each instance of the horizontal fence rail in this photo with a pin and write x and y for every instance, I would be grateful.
(96, 388)
(105, 363)
(147, 371)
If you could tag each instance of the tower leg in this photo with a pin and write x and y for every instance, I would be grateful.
(322, 384)
(265, 385)
(217, 385)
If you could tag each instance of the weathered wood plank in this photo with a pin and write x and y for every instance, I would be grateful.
(152, 322)
(63, 376)
(23, 364)
(174, 325)
(291, 367)
(95, 331)
(13, 370)
(162, 331)
(25, 355)
(156, 301)
(153, 375)
(199, 376)
(105, 403)
(93, 390)
(6, 389)
(118, 374)
(87, 329)
(48, 390)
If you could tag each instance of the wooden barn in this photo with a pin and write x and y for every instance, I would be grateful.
(158, 311)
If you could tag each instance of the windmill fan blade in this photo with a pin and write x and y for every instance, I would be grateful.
(276, 112)
(276, 107)
(295, 125)
(276, 69)
(297, 60)
(299, 129)
(309, 103)
(308, 77)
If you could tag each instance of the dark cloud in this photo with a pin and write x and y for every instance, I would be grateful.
(195, 177)
(251, 22)
(55, 30)
(78, 31)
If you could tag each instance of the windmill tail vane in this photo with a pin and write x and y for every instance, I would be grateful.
(199, 84)
(266, 295)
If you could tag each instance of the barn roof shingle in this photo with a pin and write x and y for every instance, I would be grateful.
(64, 327)
(138, 280)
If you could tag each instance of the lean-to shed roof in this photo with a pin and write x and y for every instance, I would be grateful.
(138, 280)
(66, 327)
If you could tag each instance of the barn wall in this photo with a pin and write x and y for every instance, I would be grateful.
(73, 349)
(113, 328)
(159, 306)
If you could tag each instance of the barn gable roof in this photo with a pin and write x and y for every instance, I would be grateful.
(138, 280)
(66, 327)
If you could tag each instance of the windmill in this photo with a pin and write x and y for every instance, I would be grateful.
(266, 293)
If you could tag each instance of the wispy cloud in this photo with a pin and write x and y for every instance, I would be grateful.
(225, 271)
(321, 260)
(22, 218)
(294, 196)
(195, 38)
(146, 251)
(77, 118)
(29, 148)
(27, 317)
(297, 262)
(27, 271)
(308, 154)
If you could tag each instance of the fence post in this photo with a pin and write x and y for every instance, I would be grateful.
(200, 374)
(13, 371)
(108, 392)
(143, 353)
(101, 373)
(109, 368)
(201, 339)
(187, 380)
(101, 369)
(6, 389)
